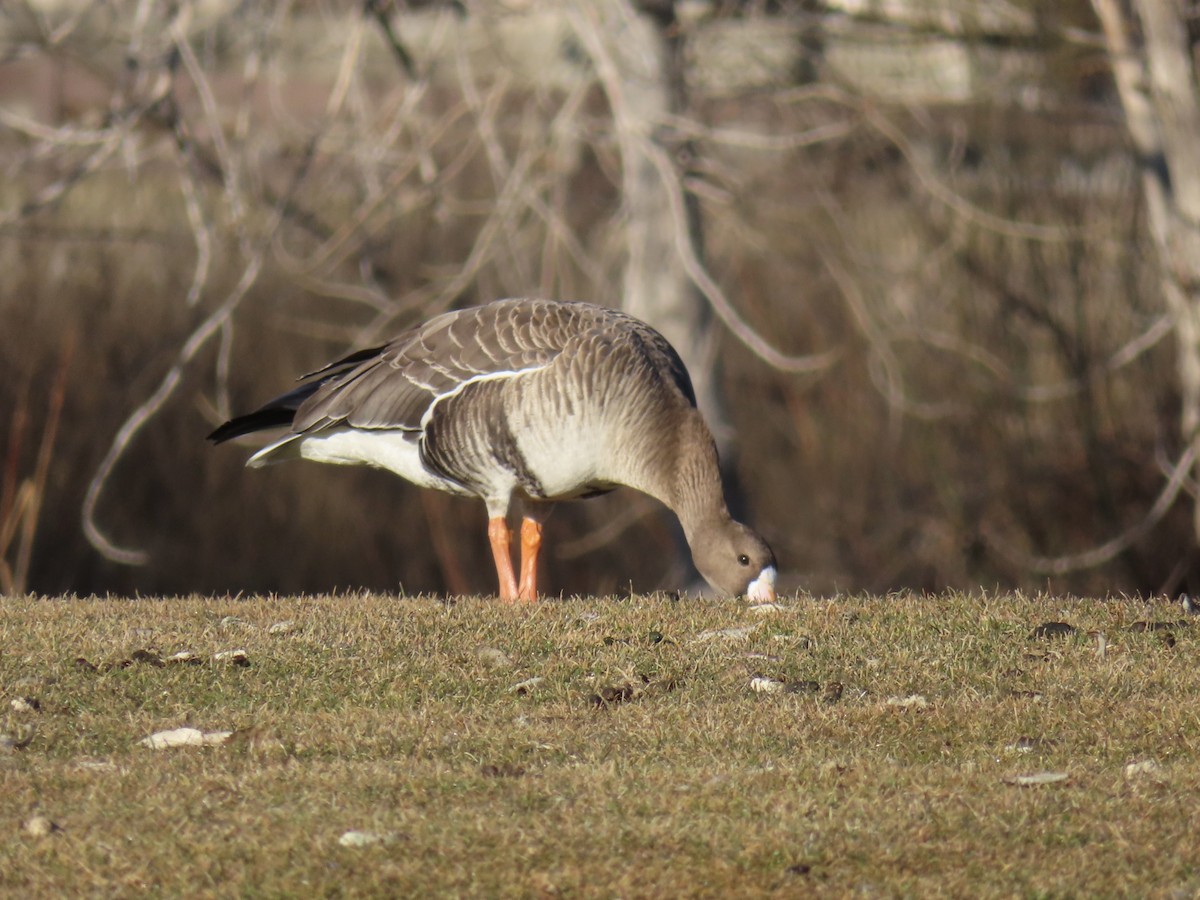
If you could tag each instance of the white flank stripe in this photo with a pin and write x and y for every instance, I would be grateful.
(458, 389)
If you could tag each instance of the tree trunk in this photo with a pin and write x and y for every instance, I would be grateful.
(1155, 71)
(639, 61)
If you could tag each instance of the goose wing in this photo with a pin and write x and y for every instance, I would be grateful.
(398, 385)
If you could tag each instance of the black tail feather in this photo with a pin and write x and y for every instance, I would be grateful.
(260, 420)
(278, 413)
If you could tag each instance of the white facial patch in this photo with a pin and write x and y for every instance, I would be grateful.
(762, 587)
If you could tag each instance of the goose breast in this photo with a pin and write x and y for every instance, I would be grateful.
(596, 415)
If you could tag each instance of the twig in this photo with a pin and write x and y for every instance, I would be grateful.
(12, 463)
(224, 358)
(215, 323)
(195, 216)
(339, 245)
(208, 102)
(375, 9)
(890, 381)
(960, 204)
(8, 529)
(509, 177)
(587, 28)
(346, 70)
(1123, 356)
(58, 189)
(149, 407)
(1164, 465)
(63, 135)
(1061, 565)
(607, 531)
(41, 471)
(360, 225)
(756, 140)
(443, 537)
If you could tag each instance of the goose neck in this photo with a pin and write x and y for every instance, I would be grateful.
(697, 495)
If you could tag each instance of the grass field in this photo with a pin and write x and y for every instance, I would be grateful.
(400, 747)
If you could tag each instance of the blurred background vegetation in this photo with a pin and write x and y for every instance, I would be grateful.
(906, 248)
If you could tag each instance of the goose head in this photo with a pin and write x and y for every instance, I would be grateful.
(734, 559)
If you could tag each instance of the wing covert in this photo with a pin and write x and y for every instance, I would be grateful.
(395, 387)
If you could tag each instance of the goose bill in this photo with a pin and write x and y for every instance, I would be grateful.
(762, 587)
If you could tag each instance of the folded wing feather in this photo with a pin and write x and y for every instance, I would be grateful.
(396, 387)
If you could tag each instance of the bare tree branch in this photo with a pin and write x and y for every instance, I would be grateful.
(1061, 565)
(955, 201)
(213, 324)
(641, 144)
(208, 102)
(377, 10)
(1157, 82)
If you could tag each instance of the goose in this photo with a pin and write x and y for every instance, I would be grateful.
(523, 402)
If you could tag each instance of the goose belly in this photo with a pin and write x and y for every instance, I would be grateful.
(566, 457)
(393, 450)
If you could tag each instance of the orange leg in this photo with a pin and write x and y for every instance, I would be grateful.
(531, 542)
(499, 537)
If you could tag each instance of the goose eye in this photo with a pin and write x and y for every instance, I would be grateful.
(743, 560)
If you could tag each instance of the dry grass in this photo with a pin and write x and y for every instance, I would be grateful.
(399, 717)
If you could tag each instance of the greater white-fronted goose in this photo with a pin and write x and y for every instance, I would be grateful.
(521, 403)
